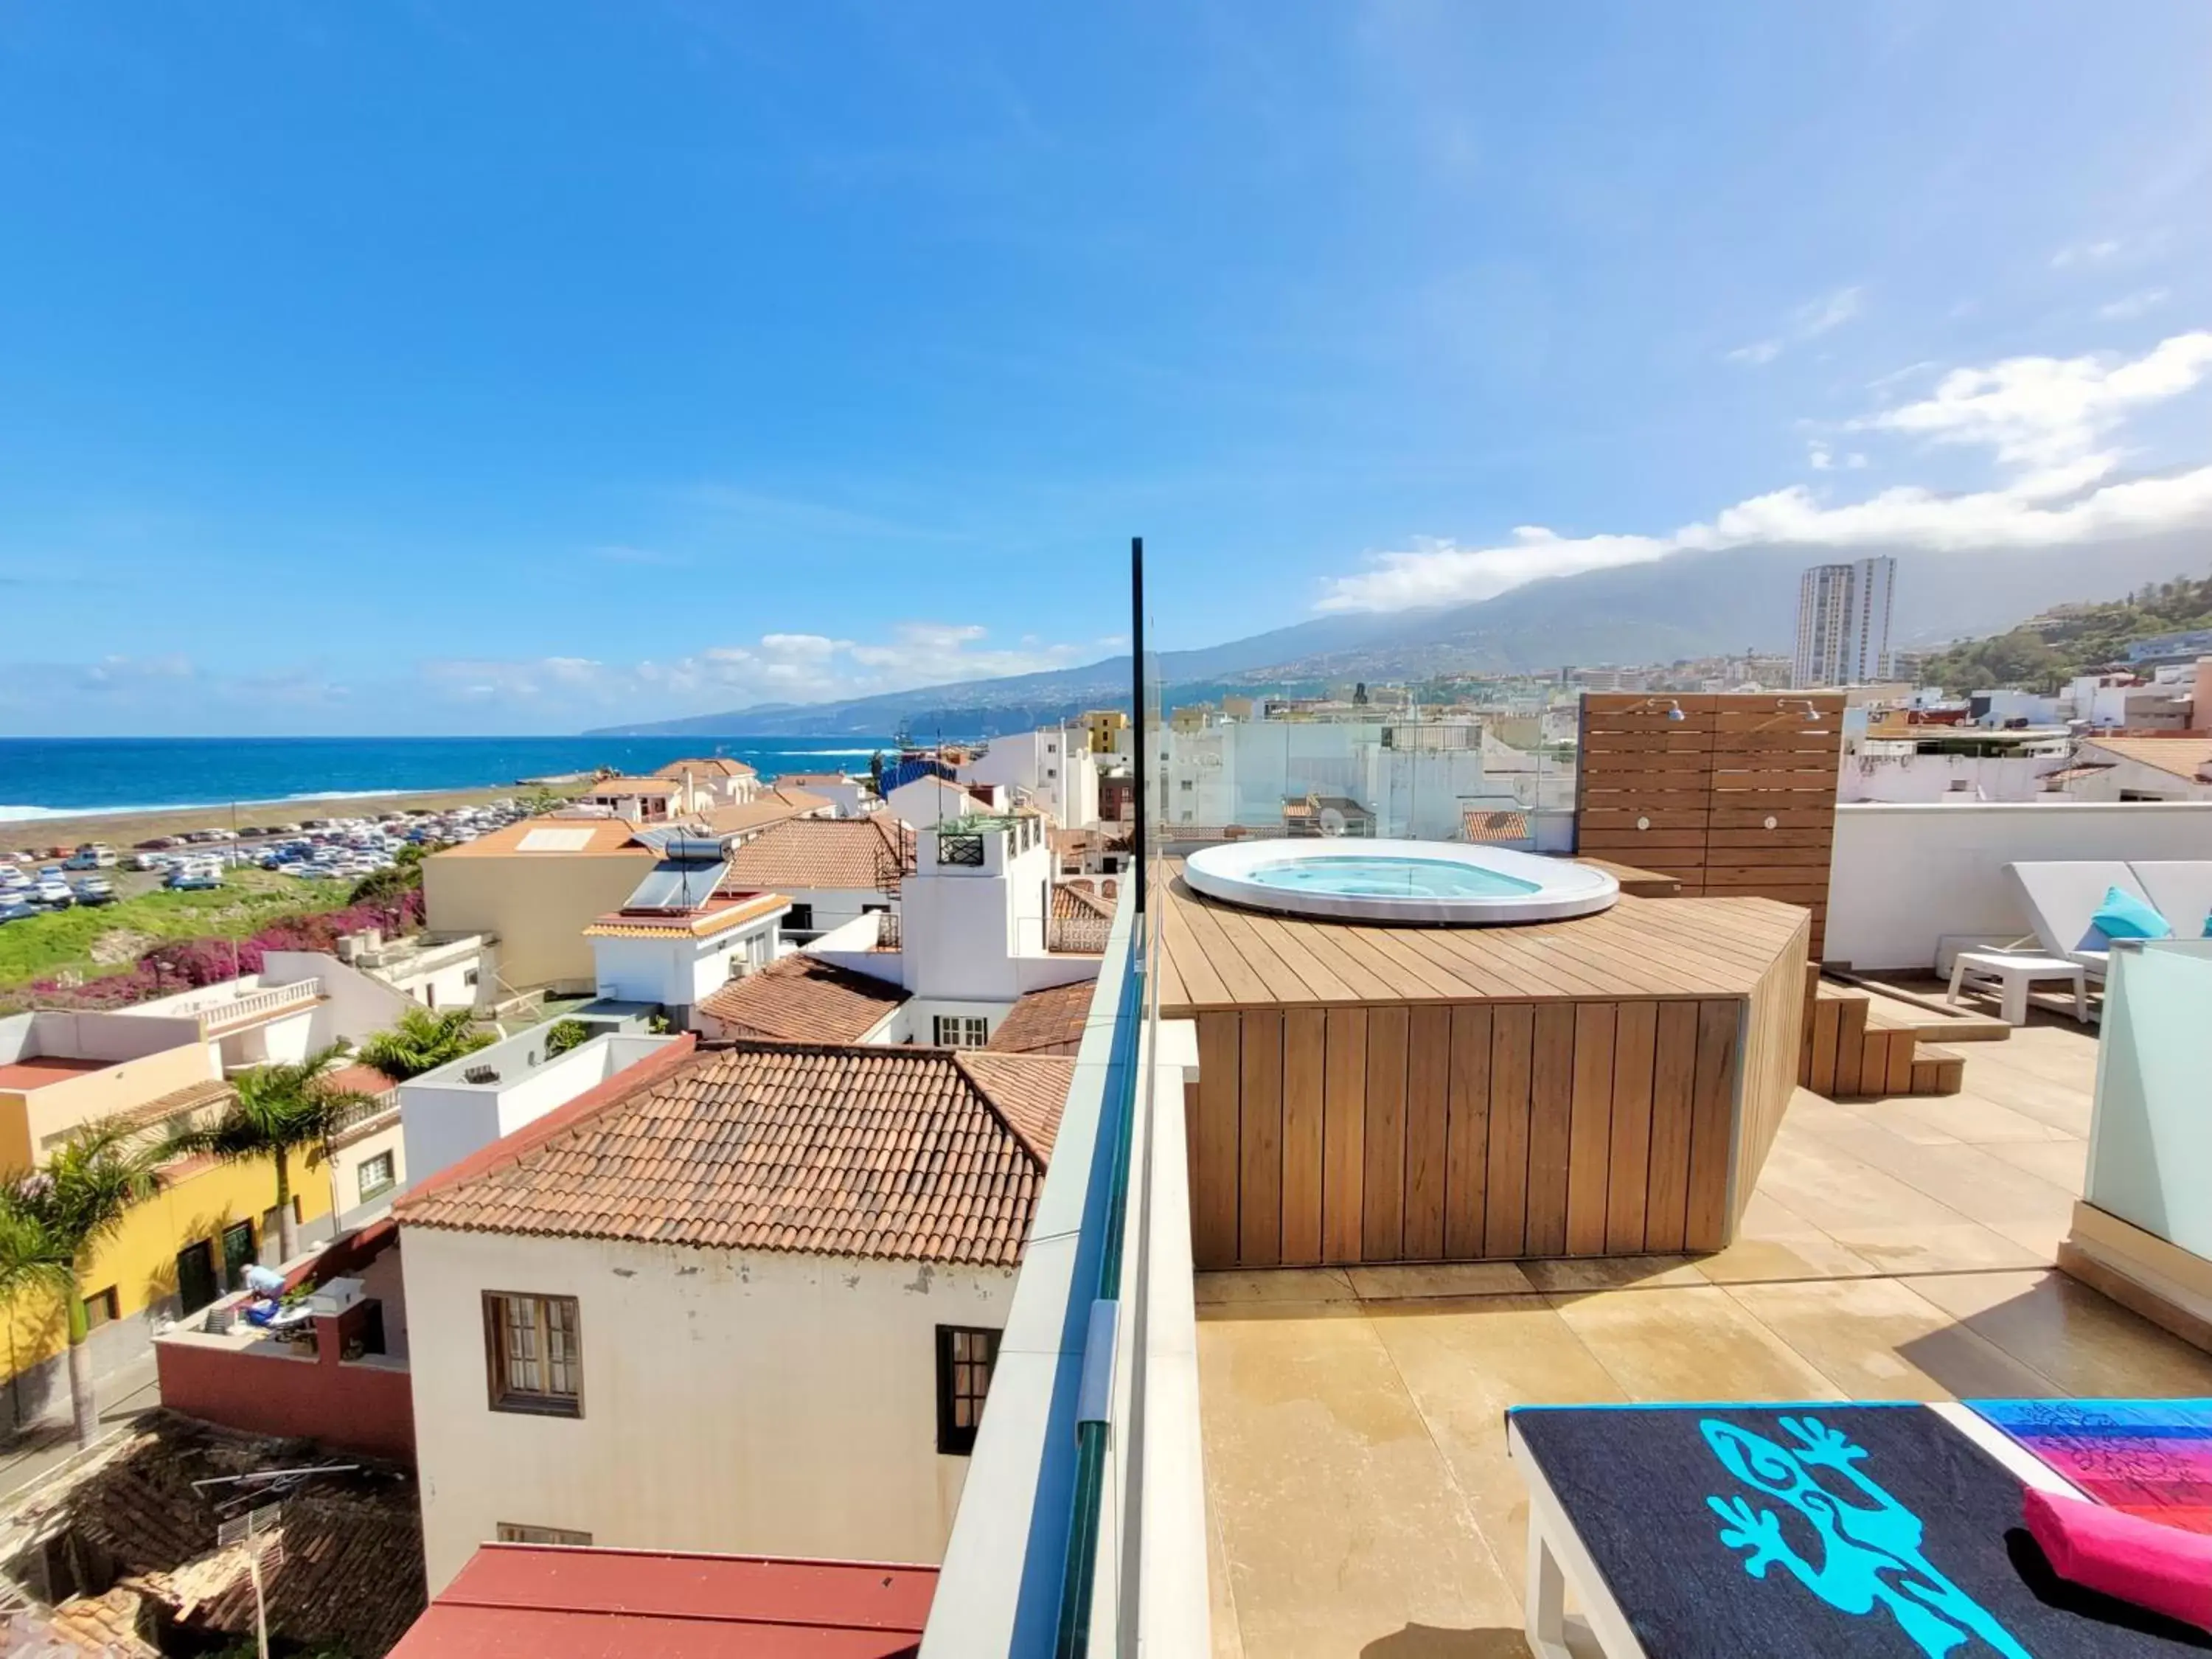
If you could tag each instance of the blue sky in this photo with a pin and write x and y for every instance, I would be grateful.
(486, 367)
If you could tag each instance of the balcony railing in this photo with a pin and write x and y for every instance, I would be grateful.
(1077, 935)
(1082, 1524)
(255, 1005)
(365, 1116)
(887, 930)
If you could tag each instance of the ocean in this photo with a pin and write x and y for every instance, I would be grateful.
(49, 777)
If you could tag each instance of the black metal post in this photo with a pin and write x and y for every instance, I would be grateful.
(1137, 701)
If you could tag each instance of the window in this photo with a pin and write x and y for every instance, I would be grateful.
(875, 909)
(799, 919)
(534, 1356)
(961, 1030)
(376, 1175)
(509, 1533)
(102, 1308)
(964, 1358)
(472, 977)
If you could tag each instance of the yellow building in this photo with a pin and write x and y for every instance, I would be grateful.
(1104, 725)
(181, 1248)
(536, 884)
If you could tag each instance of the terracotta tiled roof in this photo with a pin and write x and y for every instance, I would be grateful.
(109, 1626)
(769, 807)
(1487, 826)
(802, 999)
(193, 1097)
(2185, 757)
(719, 766)
(853, 853)
(613, 788)
(555, 836)
(1070, 900)
(722, 911)
(1046, 1022)
(900, 1153)
(361, 1079)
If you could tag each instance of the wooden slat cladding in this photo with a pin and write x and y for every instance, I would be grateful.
(1735, 798)
(1395, 1132)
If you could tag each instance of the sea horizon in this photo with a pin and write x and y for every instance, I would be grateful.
(77, 777)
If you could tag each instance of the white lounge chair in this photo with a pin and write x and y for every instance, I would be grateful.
(2182, 890)
(2062, 898)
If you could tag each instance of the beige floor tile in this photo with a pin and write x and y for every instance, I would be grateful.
(1835, 1190)
(1221, 1600)
(1340, 1519)
(1767, 1217)
(1751, 1260)
(2082, 1341)
(1879, 1341)
(1970, 1180)
(1689, 1343)
(1956, 1246)
(2060, 1162)
(1425, 1278)
(1276, 1285)
(1464, 1364)
(1973, 1118)
(1612, 1272)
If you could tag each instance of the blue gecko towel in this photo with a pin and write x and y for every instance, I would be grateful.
(1777, 1532)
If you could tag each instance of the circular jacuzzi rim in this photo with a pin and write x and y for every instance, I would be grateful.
(1563, 889)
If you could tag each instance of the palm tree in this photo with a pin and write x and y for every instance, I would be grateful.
(54, 1220)
(423, 1041)
(275, 1111)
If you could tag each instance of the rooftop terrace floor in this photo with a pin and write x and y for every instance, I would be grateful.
(1358, 1498)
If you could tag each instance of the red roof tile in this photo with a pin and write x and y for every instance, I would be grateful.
(527, 1602)
(856, 854)
(1046, 1022)
(900, 1153)
(802, 999)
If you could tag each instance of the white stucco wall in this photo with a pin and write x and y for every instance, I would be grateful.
(354, 1005)
(1902, 878)
(833, 906)
(678, 972)
(746, 1403)
(962, 930)
(445, 1118)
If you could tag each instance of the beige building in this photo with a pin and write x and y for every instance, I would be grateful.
(536, 884)
(712, 781)
(751, 1307)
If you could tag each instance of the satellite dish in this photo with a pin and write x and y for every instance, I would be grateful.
(1332, 821)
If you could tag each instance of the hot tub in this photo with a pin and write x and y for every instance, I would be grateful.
(1399, 881)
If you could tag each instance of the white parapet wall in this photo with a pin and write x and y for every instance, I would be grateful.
(1904, 877)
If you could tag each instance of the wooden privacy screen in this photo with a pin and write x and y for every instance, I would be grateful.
(1737, 796)
(1458, 1131)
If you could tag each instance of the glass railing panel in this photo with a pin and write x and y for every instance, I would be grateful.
(2150, 1145)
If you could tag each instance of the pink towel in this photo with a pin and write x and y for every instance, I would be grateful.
(2161, 1568)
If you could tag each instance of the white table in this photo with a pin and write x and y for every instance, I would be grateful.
(2013, 974)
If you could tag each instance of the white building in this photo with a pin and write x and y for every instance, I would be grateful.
(463, 1107)
(2142, 770)
(853, 797)
(927, 801)
(684, 932)
(974, 935)
(1843, 622)
(1052, 769)
(752, 1308)
(712, 781)
(831, 870)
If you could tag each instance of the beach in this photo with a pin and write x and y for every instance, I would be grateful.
(125, 829)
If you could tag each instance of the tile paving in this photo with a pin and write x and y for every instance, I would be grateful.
(1359, 1500)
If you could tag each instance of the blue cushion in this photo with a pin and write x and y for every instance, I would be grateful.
(2207, 924)
(2123, 916)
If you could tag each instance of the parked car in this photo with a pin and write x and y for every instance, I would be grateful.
(54, 892)
(14, 910)
(95, 890)
(196, 876)
(144, 861)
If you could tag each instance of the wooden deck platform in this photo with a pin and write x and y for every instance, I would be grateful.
(1217, 955)
(1370, 1093)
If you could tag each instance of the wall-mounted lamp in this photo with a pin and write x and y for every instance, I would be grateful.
(1673, 709)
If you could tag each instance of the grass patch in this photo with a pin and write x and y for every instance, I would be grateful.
(40, 946)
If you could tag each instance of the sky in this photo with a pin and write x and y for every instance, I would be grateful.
(518, 368)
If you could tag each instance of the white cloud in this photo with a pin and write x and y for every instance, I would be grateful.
(2047, 411)
(2045, 420)
(1819, 457)
(782, 667)
(1808, 322)
(2134, 305)
(2084, 253)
